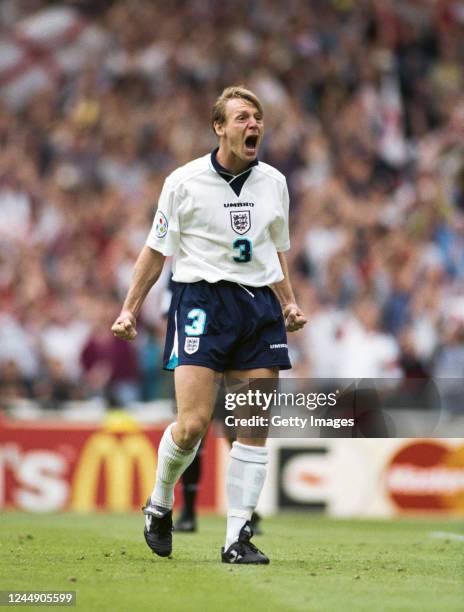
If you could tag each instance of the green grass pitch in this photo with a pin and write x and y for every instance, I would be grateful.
(317, 564)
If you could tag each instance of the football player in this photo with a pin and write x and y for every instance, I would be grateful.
(224, 219)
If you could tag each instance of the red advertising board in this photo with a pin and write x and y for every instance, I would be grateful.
(49, 467)
(427, 475)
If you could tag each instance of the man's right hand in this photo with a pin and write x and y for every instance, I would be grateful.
(124, 326)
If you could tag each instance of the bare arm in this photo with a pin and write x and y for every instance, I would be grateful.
(146, 272)
(294, 317)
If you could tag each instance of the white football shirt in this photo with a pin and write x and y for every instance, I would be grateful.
(214, 234)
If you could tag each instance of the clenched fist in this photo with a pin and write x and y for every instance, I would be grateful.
(294, 318)
(124, 326)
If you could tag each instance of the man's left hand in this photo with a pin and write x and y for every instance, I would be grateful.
(294, 318)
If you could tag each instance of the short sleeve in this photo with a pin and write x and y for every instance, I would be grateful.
(164, 234)
(279, 227)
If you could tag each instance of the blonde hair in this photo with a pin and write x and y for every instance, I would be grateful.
(229, 93)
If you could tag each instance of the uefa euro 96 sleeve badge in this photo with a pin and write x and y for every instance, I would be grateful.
(161, 227)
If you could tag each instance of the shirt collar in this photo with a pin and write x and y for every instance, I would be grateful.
(223, 171)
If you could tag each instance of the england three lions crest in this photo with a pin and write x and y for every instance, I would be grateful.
(240, 221)
(191, 345)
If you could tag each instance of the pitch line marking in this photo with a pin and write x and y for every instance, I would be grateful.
(457, 537)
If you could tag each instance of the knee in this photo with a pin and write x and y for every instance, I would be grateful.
(190, 431)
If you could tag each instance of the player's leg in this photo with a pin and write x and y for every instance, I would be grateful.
(187, 521)
(196, 389)
(229, 434)
(191, 477)
(244, 482)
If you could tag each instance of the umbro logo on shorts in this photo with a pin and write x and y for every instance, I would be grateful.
(191, 345)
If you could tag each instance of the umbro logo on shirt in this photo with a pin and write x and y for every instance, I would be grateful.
(238, 204)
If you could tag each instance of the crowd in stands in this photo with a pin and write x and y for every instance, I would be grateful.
(364, 115)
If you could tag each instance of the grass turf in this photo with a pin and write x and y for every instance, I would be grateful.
(317, 564)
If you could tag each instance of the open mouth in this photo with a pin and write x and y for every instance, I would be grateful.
(251, 143)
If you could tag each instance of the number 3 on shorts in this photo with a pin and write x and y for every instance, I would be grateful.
(245, 249)
(197, 318)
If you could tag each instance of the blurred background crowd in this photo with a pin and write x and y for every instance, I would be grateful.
(100, 100)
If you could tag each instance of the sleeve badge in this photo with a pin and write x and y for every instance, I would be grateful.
(161, 225)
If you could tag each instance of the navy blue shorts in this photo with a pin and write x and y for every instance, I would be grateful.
(225, 326)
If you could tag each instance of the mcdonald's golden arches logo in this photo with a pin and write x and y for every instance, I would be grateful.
(120, 458)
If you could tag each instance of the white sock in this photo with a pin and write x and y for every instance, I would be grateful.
(172, 463)
(244, 482)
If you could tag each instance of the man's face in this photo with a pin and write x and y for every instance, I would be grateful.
(242, 131)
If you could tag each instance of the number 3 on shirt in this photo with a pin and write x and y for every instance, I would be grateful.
(245, 250)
